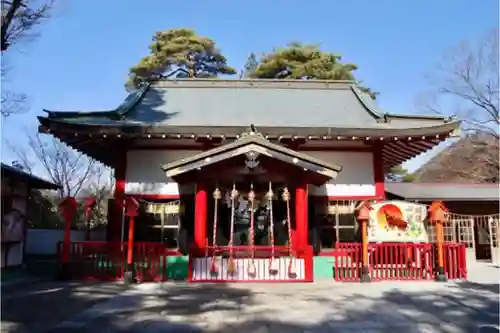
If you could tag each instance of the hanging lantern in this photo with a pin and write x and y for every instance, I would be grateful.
(437, 212)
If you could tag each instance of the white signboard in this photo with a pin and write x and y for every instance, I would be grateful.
(397, 221)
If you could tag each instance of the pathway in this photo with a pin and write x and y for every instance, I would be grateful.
(319, 307)
(322, 306)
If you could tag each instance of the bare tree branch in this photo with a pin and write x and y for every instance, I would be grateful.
(466, 85)
(20, 17)
(467, 79)
(63, 165)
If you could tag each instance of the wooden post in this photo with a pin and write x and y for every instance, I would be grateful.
(363, 217)
(437, 216)
(131, 210)
(68, 207)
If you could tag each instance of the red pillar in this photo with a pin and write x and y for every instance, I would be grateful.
(115, 224)
(378, 171)
(301, 223)
(130, 247)
(200, 215)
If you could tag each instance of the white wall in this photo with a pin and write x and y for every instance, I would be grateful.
(144, 175)
(355, 179)
(44, 241)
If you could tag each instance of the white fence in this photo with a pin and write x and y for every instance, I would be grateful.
(44, 241)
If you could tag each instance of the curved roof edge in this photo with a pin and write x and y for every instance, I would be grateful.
(119, 112)
(372, 110)
(141, 129)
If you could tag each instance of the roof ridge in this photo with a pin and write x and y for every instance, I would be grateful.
(251, 83)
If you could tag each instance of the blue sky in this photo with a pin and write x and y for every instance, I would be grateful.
(81, 60)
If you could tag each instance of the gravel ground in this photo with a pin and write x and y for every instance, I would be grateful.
(39, 306)
(323, 306)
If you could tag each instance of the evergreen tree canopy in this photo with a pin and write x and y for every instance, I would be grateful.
(304, 62)
(181, 51)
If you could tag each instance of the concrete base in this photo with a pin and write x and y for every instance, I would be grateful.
(365, 275)
(440, 276)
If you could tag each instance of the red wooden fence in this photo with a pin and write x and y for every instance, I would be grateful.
(107, 260)
(398, 261)
(387, 261)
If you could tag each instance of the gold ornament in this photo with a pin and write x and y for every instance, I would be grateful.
(286, 194)
(234, 192)
(251, 194)
(217, 194)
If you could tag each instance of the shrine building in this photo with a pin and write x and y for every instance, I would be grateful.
(247, 163)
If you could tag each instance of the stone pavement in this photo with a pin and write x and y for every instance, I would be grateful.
(319, 307)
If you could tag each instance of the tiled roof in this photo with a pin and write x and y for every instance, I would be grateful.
(277, 103)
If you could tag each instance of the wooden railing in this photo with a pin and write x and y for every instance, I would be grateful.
(387, 261)
(398, 261)
(107, 260)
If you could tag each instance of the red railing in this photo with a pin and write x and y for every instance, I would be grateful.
(455, 262)
(398, 261)
(107, 260)
(387, 261)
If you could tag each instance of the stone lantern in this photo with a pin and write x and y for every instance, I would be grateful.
(363, 218)
(438, 216)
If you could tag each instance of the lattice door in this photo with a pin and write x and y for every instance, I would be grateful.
(493, 223)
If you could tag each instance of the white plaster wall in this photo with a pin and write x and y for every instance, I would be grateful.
(355, 179)
(144, 175)
(44, 241)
